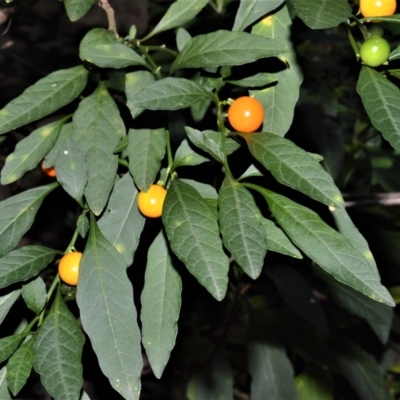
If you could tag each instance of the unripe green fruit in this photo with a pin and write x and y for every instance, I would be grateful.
(375, 51)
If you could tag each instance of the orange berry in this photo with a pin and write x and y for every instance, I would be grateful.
(151, 203)
(48, 171)
(246, 114)
(377, 8)
(68, 268)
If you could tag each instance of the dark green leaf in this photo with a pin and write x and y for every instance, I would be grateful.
(271, 371)
(77, 8)
(214, 382)
(6, 302)
(279, 100)
(58, 348)
(378, 316)
(328, 248)
(30, 151)
(67, 131)
(135, 82)
(241, 227)
(170, 94)
(277, 240)
(322, 14)
(250, 11)
(381, 99)
(206, 191)
(122, 223)
(185, 156)
(18, 213)
(45, 96)
(146, 149)
(211, 142)
(101, 47)
(260, 79)
(108, 314)
(9, 344)
(161, 303)
(71, 169)
(83, 225)
(179, 13)
(34, 293)
(362, 372)
(225, 48)
(4, 393)
(193, 232)
(24, 263)
(294, 167)
(19, 367)
(98, 128)
(347, 228)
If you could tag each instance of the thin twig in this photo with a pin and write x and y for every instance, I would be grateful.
(112, 25)
(383, 199)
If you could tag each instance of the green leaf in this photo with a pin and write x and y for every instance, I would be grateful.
(57, 349)
(161, 303)
(250, 11)
(71, 169)
(377, 315)
(271, 371)
(225, 48)
(241, 227)
(82, 224)
(77, 8)
(277, 240)
(6, 302)
(214, 382)
(47, 95)
(279, 100)
(67, 131)
(314, 384)
(18, 213)
(294, 167)
(317, 14)
(4, 393)
(381, 99)
(108, 314)
(135, 82)
(185, 156)
(250, 172)
(193, 232)
(98, 128)
(24, 263)
(260, 79)
(206, 191)
(170, 94)
(210, 142)
(182, 37)
(146, 149)
(122, 223)
(9, 344)
(100, 47)
(30, 151)
(362, 372)
(178, 14)
(347, 228)
(19, 367)
(328, 248)
(34, 294)
(395, 54)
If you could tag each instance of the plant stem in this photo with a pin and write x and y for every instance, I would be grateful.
(153, 66)
(161, 48)
(112, 25)
(71, 245)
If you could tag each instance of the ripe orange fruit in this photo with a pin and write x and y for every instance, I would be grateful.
(48, 171)
(246, 114)
(68, 268)
(151, 203)
(377, 8)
